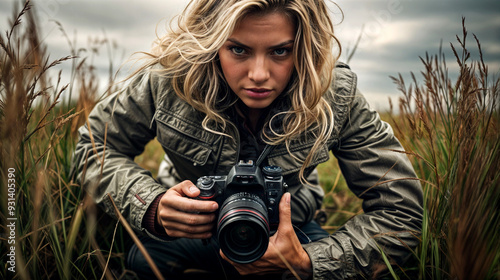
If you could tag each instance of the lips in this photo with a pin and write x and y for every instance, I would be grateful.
(259, 90)
(258, 93)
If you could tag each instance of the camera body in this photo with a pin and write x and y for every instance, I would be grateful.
(248, 199)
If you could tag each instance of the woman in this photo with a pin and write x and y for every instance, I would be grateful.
(250, 80)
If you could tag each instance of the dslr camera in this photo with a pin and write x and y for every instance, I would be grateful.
(248, 199)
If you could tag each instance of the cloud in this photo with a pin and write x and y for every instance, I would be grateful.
(131, 23)
(395, 32)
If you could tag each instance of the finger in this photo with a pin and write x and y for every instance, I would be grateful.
(187, 218)
(188, 229)
(285, 224)
(235, 265)
(244, 269)
(224, 256)
(188, 204)
(182, 234)
(186, 188)
(285, 209)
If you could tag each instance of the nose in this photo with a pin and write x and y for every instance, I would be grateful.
(259, 72)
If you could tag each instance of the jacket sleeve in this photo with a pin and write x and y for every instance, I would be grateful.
(104, 158)
(392, 201)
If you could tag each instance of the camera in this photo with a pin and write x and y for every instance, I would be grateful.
(248, 199)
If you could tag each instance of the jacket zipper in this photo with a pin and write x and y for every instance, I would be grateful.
(219, 154)
(237, 134)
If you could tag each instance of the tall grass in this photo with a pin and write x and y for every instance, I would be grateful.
(55, 235)
(451, 129)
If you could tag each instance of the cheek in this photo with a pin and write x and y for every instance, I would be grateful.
(223, 64)
(284, 73)
(232, 71)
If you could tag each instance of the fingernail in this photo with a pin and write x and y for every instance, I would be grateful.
(287, 198)
(192, 189)
(215, 206)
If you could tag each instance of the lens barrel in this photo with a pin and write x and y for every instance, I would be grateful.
(243, 227)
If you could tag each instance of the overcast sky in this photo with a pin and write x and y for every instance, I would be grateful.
(394, 32)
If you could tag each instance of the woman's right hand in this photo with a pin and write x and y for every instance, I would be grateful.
(182, 216)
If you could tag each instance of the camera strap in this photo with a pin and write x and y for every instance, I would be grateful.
(267, 150)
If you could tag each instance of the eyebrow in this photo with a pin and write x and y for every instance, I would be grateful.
(271, 47)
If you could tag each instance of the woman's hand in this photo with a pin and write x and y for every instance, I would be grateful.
(283, 245)
(183, 216)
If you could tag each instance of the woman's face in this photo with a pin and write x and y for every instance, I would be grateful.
(257, 59)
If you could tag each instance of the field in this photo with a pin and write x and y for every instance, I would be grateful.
(450, 129)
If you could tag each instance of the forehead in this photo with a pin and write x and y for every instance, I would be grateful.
(266, 24)
(268, 14)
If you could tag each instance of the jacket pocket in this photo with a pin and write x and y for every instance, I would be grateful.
(184, 136)
(292, 163)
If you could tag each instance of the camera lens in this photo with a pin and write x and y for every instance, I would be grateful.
(243, 228)
(242, 235)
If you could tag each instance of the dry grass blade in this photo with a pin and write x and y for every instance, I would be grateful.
(44, 227)
(101, 259)
(47, 112)
(17, 21)
(111, 247)
(136, 240)
(287, 263)
(455, 143)
(37, 141)
(73, 234)
(94, 148)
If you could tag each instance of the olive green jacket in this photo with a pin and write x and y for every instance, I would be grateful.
(362, 143)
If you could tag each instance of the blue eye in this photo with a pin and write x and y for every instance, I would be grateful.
(237, 50)
(281, 52)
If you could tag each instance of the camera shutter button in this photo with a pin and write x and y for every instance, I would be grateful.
(205, 181)
(272, 171)
(206, 186)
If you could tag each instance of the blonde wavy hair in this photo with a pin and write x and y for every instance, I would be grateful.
(188, 54)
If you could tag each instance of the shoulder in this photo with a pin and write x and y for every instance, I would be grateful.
(343, 86)
(155, 80)
(344, 83)
(342, 93)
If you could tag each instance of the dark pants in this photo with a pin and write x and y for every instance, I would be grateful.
(174, 258)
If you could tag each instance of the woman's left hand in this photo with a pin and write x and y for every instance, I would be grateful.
(284, 251)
